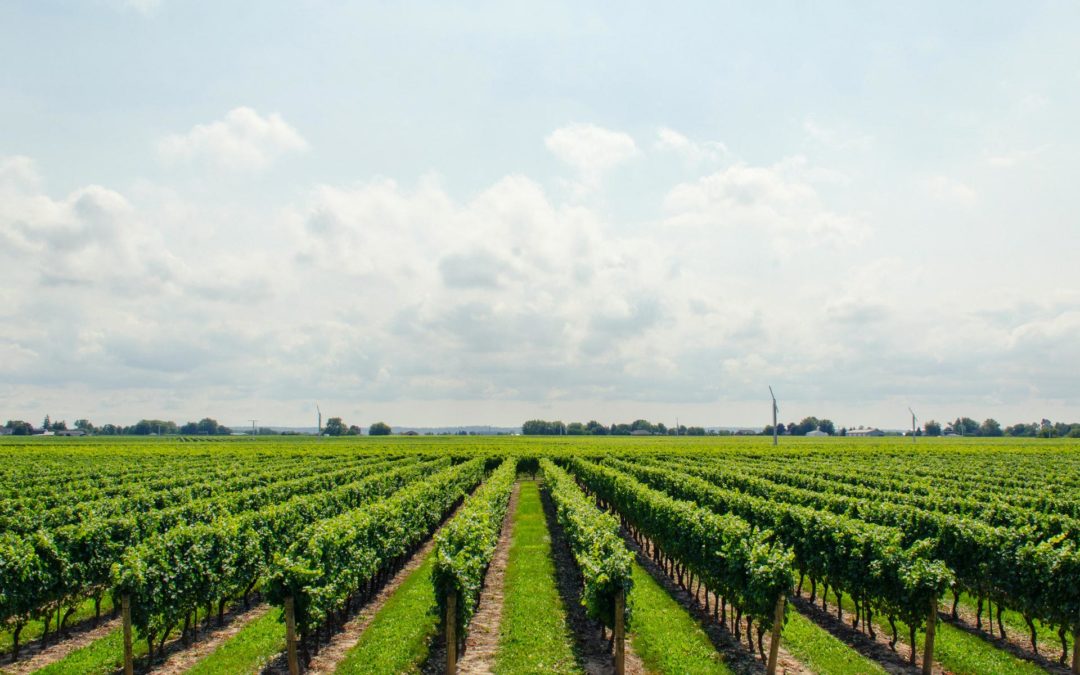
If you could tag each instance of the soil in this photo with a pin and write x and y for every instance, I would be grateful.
(32, 657)
(595, 653)
(483, 638)
(332, 653)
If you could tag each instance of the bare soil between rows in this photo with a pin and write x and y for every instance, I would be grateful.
(33, 656)
(595, 653)
(482, 641)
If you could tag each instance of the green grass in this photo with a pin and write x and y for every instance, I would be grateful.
(958, 651)
(32, 630)
(665, 636)
(398, 638)
(821, 652)
(105, 655)
(1049, 644)
(533, 636)
(249, 650)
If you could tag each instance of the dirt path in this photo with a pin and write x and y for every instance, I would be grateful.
(331, 654)
(739, 657)
(875, 648)
(184, 659)
(595, 652)
(1016, 642)
(32, 657)
(483, 638)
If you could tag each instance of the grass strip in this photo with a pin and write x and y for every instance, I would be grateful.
(398, 638)
(105, 655)
(247, 651)
(665, 636)
(821, 652)
(958, 651)
(533, 635)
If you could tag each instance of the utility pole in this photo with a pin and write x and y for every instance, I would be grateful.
(253, 432)
(775, 410)
(914, 421)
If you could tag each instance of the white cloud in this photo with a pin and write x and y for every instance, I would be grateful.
(591, 150)
(947, 189)
(779, 200)
(669, 140)
(242, 140)
(838, 139)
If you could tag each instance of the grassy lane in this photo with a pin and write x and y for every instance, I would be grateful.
(398, 638)
(247, 651)
(665, 636)
(533, 634)
(821, 652)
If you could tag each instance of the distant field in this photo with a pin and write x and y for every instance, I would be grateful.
(881, 530)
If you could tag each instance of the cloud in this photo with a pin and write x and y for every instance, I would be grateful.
(242, 140)
(669, 140)
(591, 150)
(779, 200)
(837, 139)
(947, 189)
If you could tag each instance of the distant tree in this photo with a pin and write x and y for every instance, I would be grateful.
(59, 426)
(1074, 432)
(596, 429)
(827, 426)
(932, 428)
(46, 424)
(780, 429)
(110, 430)
(1022, 430)
(147, 427)
(20, 428)
(379, 429)
(575, 429)
(767, 431)
(641, 425)
(335, 427)
(85, 425)
(695, 431)
(661, 428)
(990, 427)
(354, 431)
(843, 431)
(965, 426)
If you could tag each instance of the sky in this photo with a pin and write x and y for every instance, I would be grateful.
(482, 214)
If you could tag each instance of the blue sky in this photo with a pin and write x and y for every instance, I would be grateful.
(492, 212)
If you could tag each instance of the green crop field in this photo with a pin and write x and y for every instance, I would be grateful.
(694, 545)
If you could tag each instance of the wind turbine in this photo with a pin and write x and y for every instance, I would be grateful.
(914, 421)
(775, 410)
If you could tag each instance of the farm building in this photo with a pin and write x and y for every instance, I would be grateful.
(817, 433)
(865, 432)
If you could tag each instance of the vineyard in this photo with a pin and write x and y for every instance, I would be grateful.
(510, 555)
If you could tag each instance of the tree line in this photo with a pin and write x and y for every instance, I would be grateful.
(594, 428)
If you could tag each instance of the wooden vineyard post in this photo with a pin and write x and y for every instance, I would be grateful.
(1076, 654)
(620, 632)
(290, 636)
(928, 648)
(451, 633)
(129, 659)
(774, 643)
